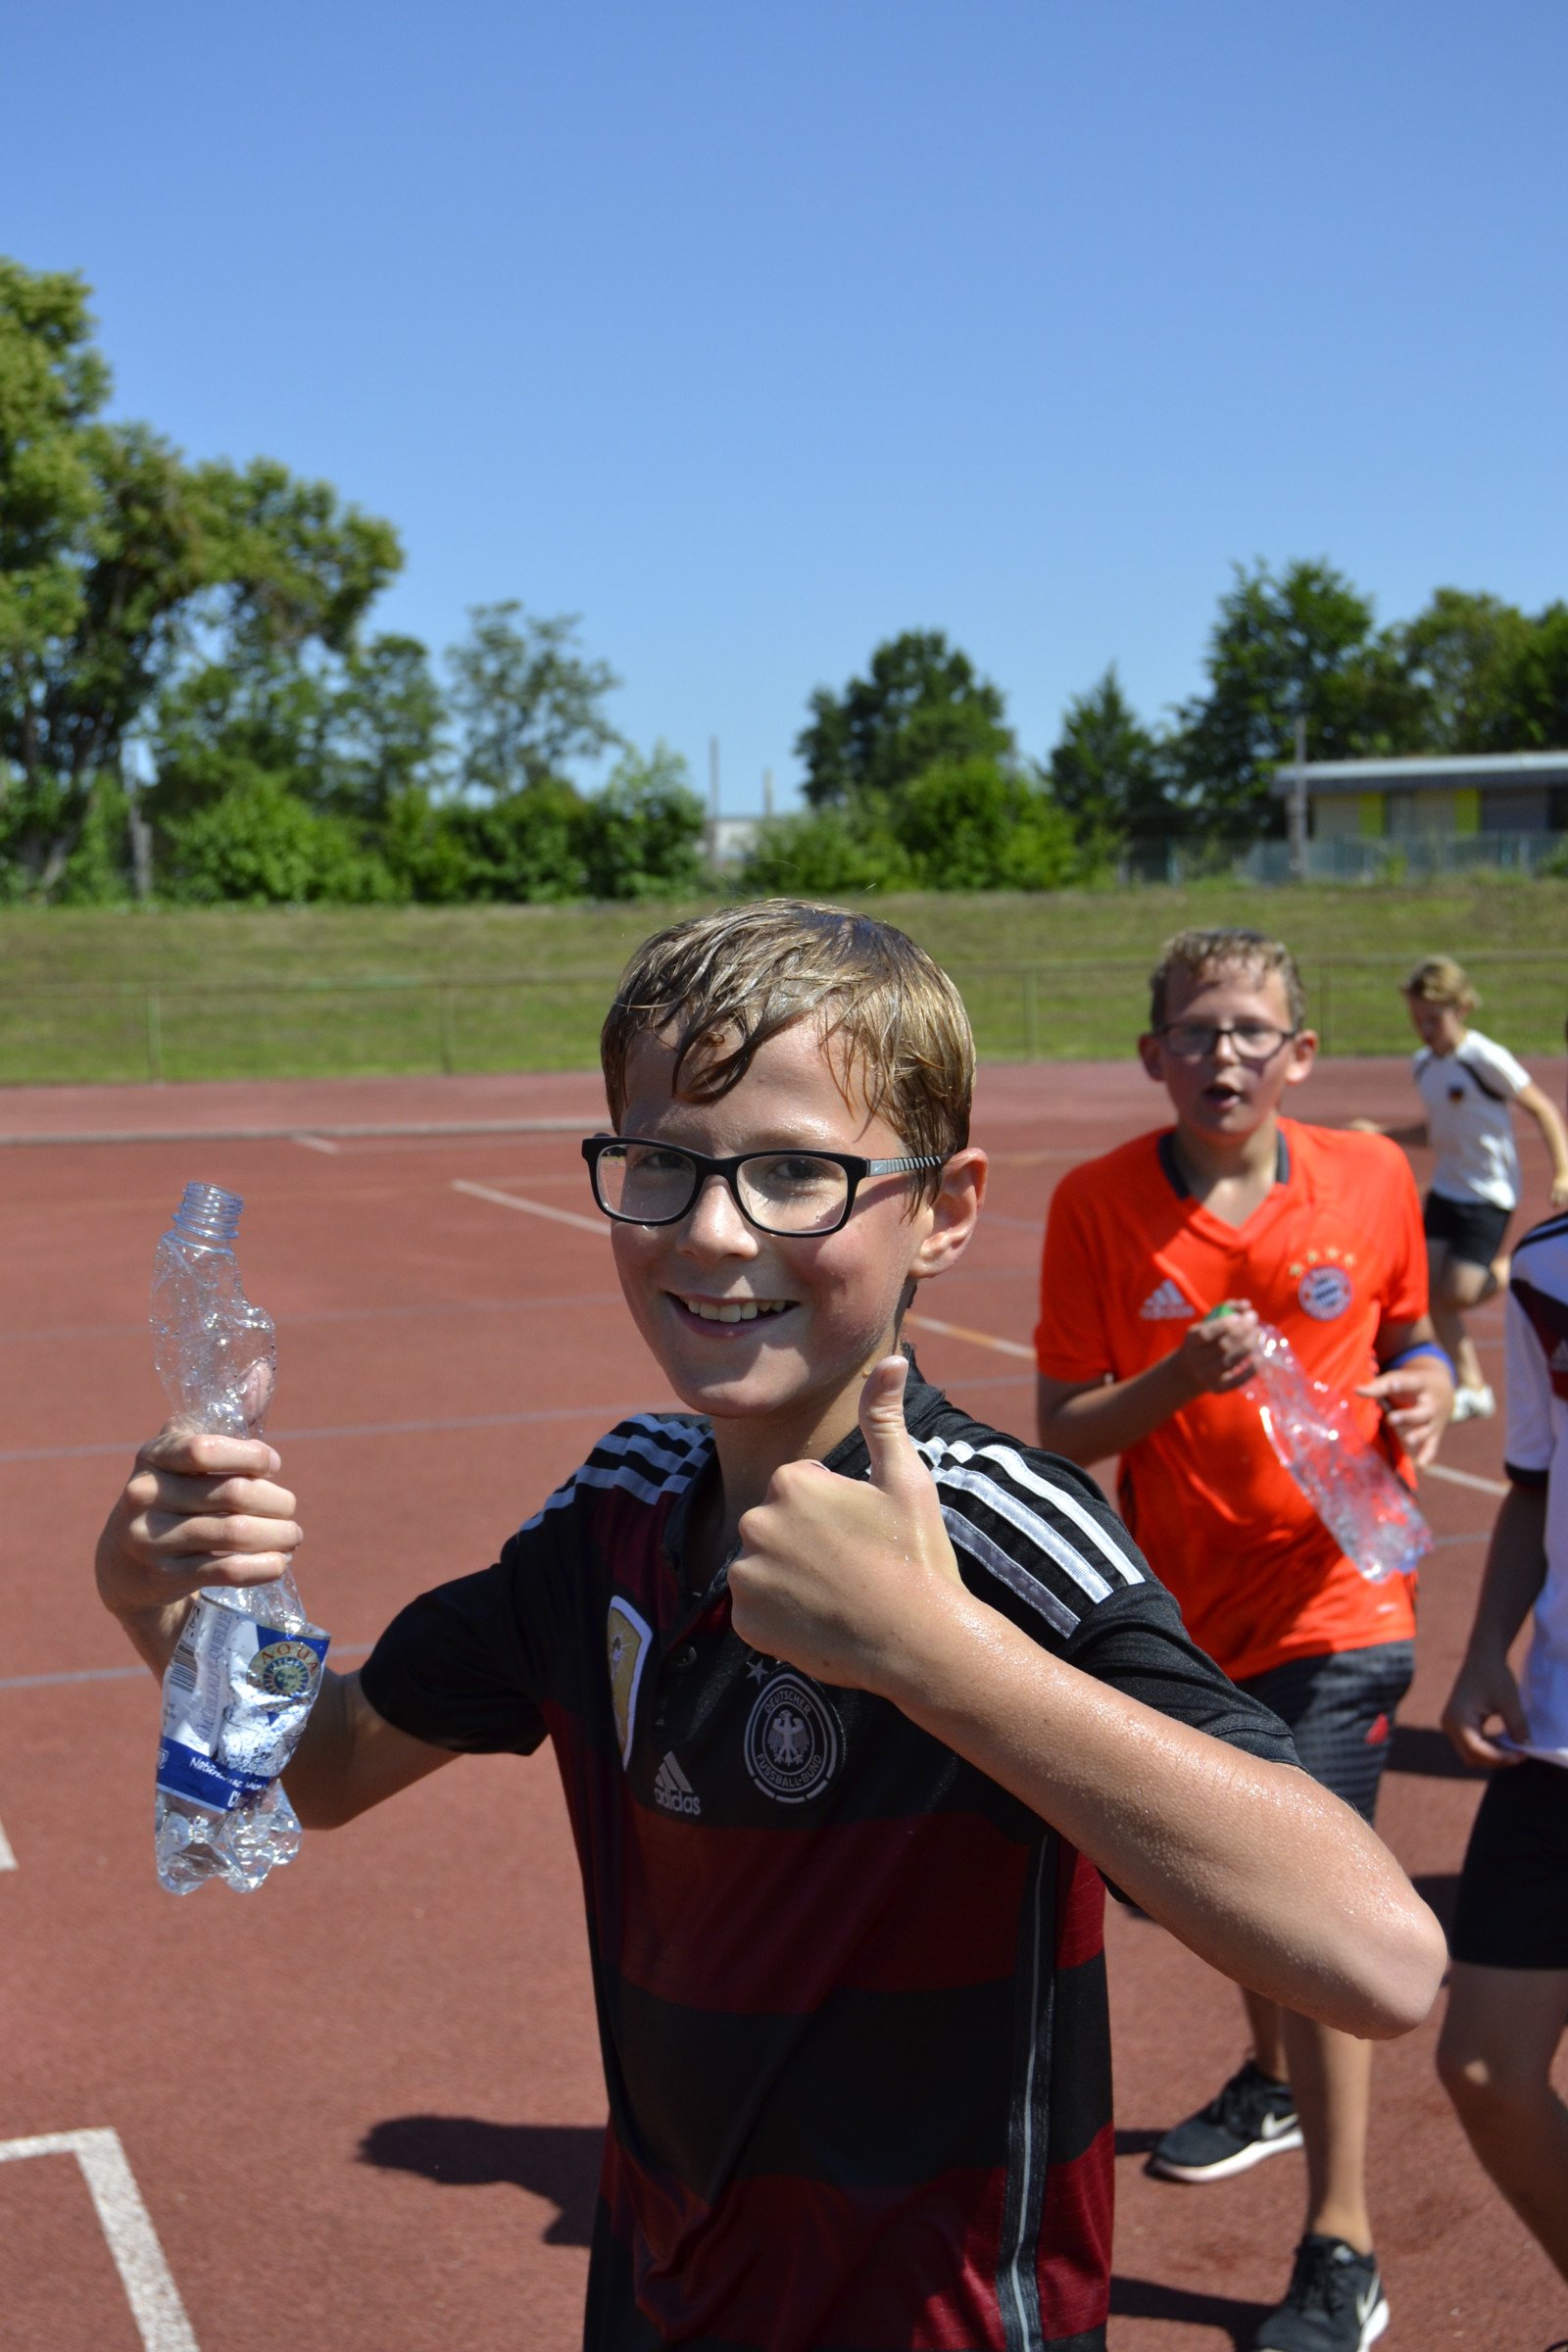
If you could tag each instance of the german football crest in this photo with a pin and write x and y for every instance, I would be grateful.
(626, 1641)
(793, 1741)
(1325, 1291)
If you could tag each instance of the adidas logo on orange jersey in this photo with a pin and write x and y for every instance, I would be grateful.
(1165, 1305)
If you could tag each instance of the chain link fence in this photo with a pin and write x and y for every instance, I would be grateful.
(1022, 1011)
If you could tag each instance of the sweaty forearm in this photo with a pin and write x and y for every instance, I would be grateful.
(1256, 1868)
(1092, 1424)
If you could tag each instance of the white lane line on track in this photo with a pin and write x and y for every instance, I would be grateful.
(1466, 1478)
(8, 1860)
(132, 1674)
(127, 2229)
(978, 1338)
(607, 1413)
(318, 1142)
(532, 1208)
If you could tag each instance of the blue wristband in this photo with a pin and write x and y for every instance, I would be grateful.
(1424, 1347)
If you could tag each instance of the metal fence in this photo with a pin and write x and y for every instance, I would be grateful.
(409, 1024)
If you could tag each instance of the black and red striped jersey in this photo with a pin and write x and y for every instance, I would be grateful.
(850, 1994)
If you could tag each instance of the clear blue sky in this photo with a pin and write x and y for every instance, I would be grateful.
(756, 333)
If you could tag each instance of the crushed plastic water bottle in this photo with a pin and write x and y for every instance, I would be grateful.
(240, 1686)
(1370, 1513)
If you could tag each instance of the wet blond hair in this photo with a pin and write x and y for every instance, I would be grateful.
(718, 986)
(1439, 980)
(1194, 955)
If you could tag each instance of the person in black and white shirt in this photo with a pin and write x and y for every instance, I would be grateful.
(1469, 1085)
(1508, 1989)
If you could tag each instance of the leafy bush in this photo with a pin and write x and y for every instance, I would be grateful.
(641, 836)
(258, 843)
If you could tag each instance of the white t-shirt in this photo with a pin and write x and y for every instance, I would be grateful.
(1467, 1095)
(1537, 1334)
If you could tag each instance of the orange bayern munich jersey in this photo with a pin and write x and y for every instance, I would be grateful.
(1333, 1254)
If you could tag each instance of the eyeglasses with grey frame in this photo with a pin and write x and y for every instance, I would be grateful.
(1254, 1040)
(640, 1181)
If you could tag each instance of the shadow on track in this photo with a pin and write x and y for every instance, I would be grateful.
(558, 2161)
(1146, 2299)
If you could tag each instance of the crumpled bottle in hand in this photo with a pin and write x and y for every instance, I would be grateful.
(1370, 1513)
(240, 1686)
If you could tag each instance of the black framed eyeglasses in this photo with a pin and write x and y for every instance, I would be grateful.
(1196, 1041)
(639, 1181)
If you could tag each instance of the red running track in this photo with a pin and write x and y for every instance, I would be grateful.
(362, 2108)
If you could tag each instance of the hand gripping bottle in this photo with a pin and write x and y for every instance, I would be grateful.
(1370, 1513)
(240, 1686)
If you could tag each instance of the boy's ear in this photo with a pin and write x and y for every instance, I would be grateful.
(1304, 1053)
(954, 1214)
(1151, 1054)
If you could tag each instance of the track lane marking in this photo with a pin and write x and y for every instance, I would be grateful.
(365, 1429)
(8, 1860)
(127, 2229)
(532, 1208)
(318, 1142)
(978, 1338)
(1465, 1478)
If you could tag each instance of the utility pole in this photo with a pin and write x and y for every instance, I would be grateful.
(1296, 805)
(712, 799)
(768, 794)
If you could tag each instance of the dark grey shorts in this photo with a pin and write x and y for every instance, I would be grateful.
(1512, 1910)
(1340, 1712)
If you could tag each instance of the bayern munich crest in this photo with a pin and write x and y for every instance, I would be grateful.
(1325, 1291)
(792, 1740)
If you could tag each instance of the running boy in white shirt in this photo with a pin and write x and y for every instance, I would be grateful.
(1469, 1085)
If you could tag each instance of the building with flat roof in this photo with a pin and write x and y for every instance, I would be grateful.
(1436, 798)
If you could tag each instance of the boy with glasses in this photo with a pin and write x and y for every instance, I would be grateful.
(849, 1694)
(1318, 1233)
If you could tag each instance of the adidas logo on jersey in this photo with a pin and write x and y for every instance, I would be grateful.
(1165, 1305)
(673, 1791)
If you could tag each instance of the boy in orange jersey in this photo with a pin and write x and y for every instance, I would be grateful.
(1319, 1233)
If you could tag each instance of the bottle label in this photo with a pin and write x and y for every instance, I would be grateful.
(236, 1697)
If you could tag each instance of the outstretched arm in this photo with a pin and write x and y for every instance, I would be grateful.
(1485, 1692)
(1254, 1866)
(1088, 1421)
(199, 1509)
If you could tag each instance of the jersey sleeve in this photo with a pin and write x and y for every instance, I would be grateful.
(1404, 1286)
(466, 1665)
(1502, 1070)
(1072, 1338)
(1528, 1450)
(1038, 1542)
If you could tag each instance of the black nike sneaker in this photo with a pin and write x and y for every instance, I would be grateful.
(1252, 2117)
(1334, 2302)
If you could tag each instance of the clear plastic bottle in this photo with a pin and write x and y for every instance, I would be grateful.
(1370, 1513)
(241, 1683)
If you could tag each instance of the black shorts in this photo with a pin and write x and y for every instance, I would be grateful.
(1512, 1910)
(1472, 1229)
(1340, 1710)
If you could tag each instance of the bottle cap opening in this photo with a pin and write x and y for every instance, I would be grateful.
(209, 1215)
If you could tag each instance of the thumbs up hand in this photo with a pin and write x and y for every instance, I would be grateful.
(834, 1572)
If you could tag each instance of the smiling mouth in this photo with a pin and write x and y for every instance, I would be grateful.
(730, 1311)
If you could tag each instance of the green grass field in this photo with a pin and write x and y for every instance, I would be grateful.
(339, 991)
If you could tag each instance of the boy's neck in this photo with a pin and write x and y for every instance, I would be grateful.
(1229, 1176)
(746, 1455)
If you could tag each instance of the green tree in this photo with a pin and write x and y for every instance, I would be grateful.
(527, 704)
(1457, 660)
(115, 554)
(1296, 645)
(921, 702)
(1110, 776)
(641, 836)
